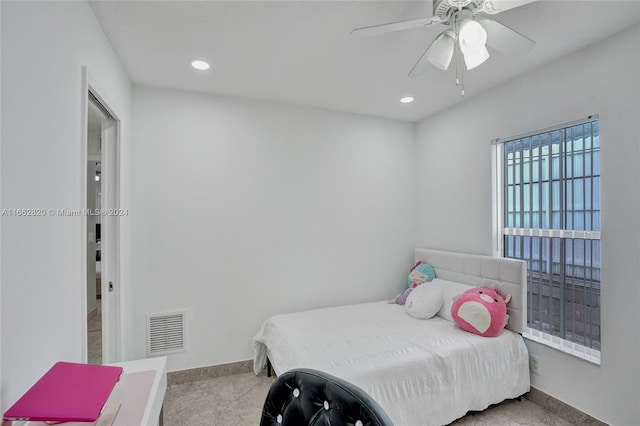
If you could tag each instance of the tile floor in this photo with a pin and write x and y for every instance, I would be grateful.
(237, 400)
(94, 336)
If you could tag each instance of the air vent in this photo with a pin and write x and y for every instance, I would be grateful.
(165, 333)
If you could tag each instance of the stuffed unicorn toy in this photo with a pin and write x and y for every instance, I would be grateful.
(420, 273)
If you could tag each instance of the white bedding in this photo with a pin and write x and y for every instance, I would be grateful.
(422, 372)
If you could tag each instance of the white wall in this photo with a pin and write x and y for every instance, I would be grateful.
(243, 209)
(455, 201)
(44, 46)
(93, 142)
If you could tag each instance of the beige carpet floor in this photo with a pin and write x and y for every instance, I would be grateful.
(237, 400)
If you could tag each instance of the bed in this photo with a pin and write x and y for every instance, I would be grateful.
(422, 372)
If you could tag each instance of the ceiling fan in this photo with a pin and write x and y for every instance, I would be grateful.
(468, 34)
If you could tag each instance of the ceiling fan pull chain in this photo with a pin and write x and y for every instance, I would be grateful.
(457, 53)
(455, 46)
(461, 82)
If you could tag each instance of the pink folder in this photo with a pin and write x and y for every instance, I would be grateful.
(68, 392)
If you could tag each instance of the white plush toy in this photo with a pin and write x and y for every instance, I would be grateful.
(424, 301)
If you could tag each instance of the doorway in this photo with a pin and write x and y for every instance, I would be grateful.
(95, 117)
(101, 293)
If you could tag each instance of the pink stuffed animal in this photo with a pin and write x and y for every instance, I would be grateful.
(481, 310)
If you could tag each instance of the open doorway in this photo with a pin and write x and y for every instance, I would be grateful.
(101, 332)
(95, 117)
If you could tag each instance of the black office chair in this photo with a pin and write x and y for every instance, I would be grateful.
(303, 397)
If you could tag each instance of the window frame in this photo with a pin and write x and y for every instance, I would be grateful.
(497, 170)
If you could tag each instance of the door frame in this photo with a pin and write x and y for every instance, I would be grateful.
(111, 300)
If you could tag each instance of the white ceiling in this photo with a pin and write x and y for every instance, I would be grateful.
(301, 52)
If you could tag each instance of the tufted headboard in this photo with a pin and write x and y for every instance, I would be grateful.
(509, 275)
(310, 397)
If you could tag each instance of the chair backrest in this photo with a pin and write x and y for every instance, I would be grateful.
(309, 397)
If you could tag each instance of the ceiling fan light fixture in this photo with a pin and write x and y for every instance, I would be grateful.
(471, 34)
(473, 39)
(440, 52)
(474, 58)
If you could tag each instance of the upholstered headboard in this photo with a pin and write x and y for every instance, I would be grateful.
(509, 275)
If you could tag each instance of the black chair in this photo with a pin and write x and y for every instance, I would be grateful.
(303, 397)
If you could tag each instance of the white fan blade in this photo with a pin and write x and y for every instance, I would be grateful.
(422, 65)
(496, 6)
(505, 40)
(438, 54)
(396, 26)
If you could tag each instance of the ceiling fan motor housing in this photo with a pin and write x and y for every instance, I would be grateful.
(445, 9)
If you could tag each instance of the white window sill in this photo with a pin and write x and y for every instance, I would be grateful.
(582, 352)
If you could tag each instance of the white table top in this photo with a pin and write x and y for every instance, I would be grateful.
(154, 400)
(158, 388)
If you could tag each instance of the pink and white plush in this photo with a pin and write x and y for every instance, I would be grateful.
(481, 310)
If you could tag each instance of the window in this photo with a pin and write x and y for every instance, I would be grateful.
(550, 217)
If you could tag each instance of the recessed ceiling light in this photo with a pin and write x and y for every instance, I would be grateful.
(200, 65)
(406, 100)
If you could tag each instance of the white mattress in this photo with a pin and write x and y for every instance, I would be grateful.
(422, 372)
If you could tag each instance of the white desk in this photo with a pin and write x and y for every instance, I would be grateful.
(153, 410)
(130, 400)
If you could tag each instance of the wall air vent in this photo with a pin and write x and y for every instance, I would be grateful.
(165, 333)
